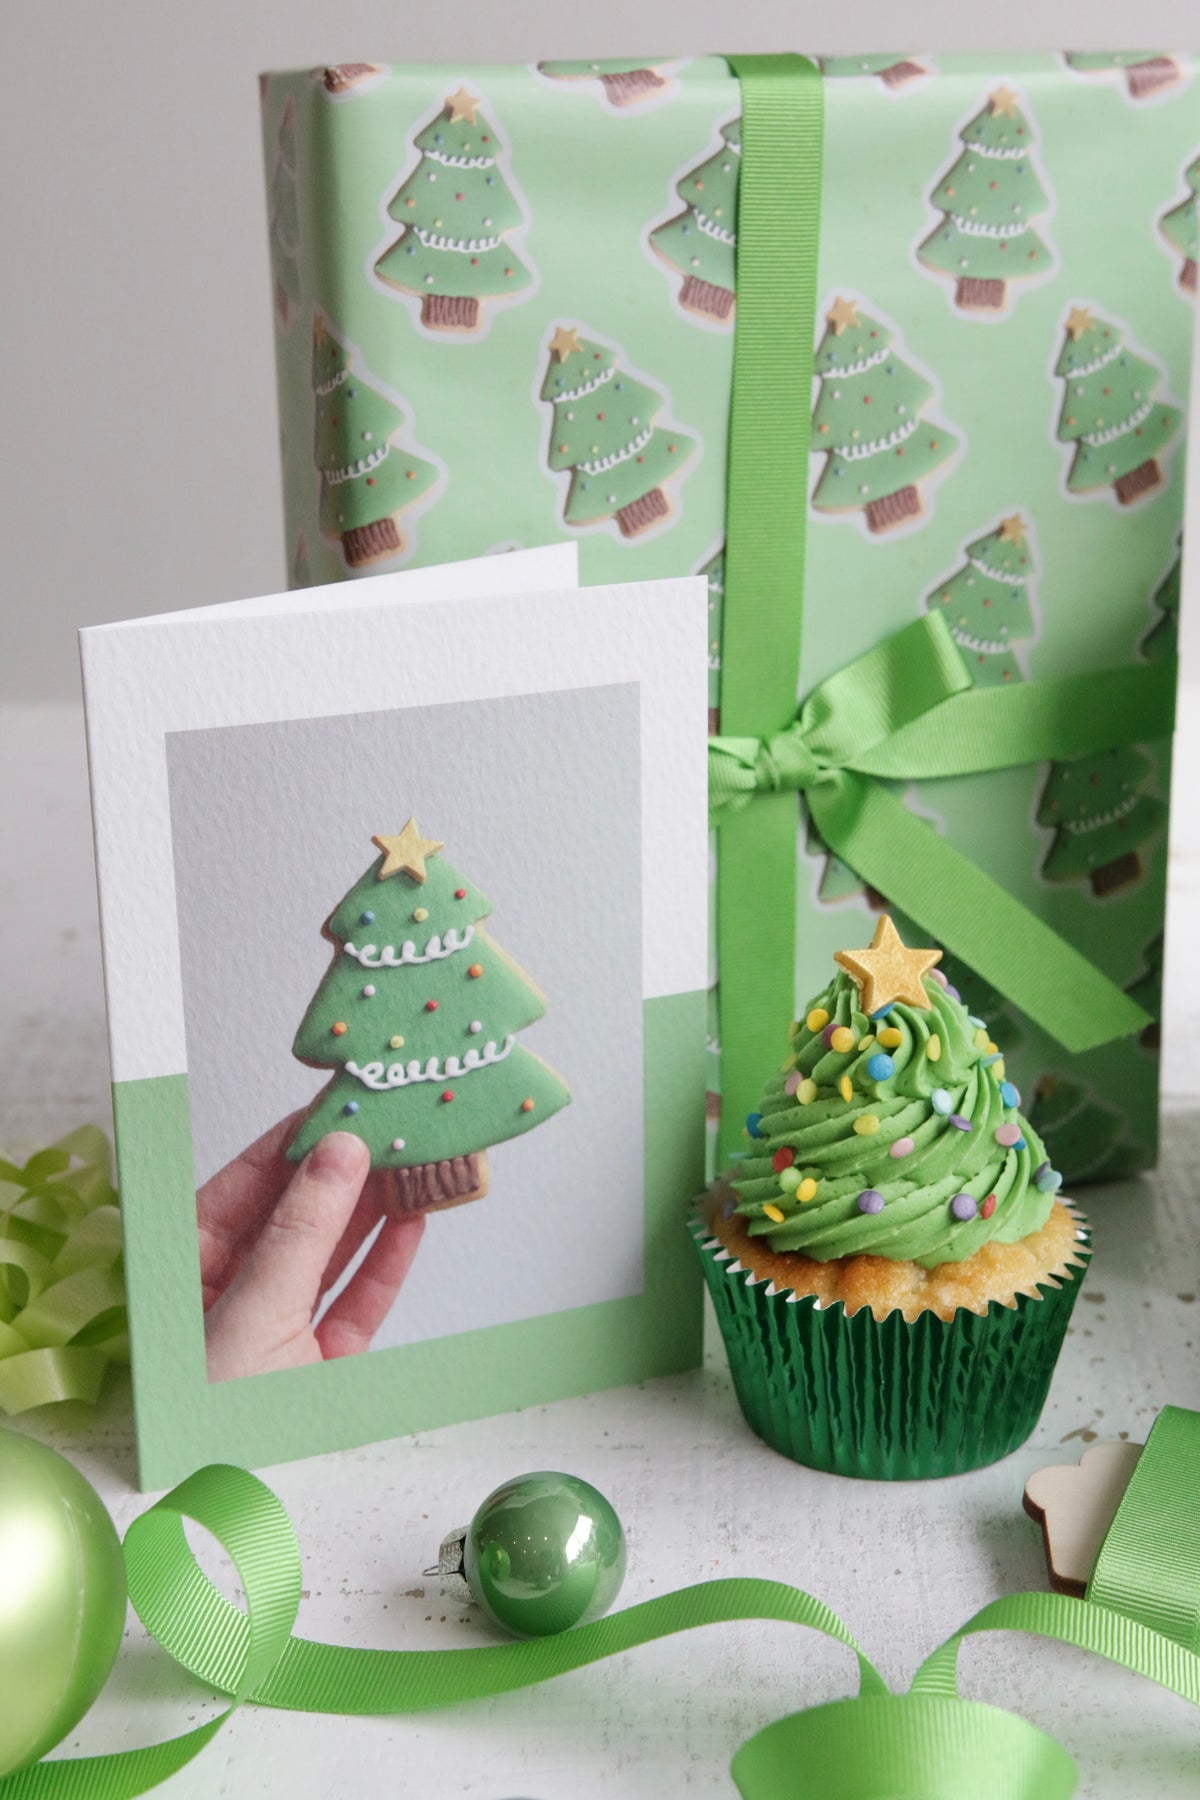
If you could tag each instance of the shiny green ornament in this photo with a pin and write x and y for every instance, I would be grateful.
(544, 1552)
(62, 1598)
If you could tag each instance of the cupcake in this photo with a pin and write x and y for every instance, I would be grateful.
(891, 1262)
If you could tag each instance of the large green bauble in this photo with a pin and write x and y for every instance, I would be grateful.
(544, 1552)
(62, 1598)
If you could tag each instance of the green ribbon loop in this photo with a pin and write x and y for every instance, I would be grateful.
(62, 1293)
(1149, 1563)
(904, 711)
(875, 1747)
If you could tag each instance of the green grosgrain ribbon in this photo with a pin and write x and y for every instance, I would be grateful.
(62, 1296)
(1149, 1562)
(904, 711)
(927, 1742)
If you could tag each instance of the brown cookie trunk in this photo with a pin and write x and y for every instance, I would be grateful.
(714, 720)
(974, 295)
(1187, 275)
(629, 88)
(1122, 872)
(639, 515)
(893, 509)
(281, 304)
(1139, 481)
(341, 76)
(432, 1187)
(369, 543)
(450, 312)
(712, 1106)
(704, 298)
(901, 72)
(1147, 77)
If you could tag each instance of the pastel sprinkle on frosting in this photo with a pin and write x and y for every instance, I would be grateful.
(933, 1049)
(964, 1207)
(806, 1093)
(842, 1040)
(941, 1102)
(901, 1148)
(774, 1214)
(871, 1201)
(817, 1019)
(866, 1124)
(807, 1189)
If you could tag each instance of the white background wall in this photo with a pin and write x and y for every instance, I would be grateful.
(139, 466)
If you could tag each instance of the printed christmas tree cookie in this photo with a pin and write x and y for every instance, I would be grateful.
(988, 603)
(1146, 989)
(1181, 228)
(990, 197)
(1161, 641)
(895, 70)
(367, 479)
(1083, 1138)
(1146, 72)
(603, 431)
(714, 573)
(458, 212)
(1101, 819)
(1109, 411)
(622, 83)
(417, 1015)
(701, 241)
(284, 220)
(838, 881)
(868, 422)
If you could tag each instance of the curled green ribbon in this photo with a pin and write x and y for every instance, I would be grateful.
(62, 1293)
(902, 712)
(928, 1742)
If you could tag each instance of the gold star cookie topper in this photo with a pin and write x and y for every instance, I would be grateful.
(1080, 320)
(462, 107)
(565, 343)
(1004, 101)
(405, 854)
(1012, 531)
(889, 970)
(842, 314)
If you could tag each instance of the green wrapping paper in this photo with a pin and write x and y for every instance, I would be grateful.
(890, 1400)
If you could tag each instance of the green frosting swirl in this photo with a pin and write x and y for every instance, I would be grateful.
(917, 1222)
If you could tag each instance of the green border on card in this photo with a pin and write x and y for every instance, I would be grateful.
(183, 1420)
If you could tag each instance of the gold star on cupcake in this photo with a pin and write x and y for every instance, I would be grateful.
(841, 315)
(889, 970)
(1079, 320)
(565, 343)
(461, 107)
(405, 853)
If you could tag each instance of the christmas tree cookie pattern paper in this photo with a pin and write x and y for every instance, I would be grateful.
(1181, 229)
(700, 243)
(988, 602)
(1111, 410)
(459, 212)
(418, 1014)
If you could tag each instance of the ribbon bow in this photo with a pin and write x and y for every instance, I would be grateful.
(873, 1747)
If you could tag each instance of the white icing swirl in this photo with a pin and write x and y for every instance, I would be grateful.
(396, 1075)
(372, 957)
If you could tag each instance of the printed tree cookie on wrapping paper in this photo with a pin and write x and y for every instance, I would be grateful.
(1110, 412)
(283, 220)
(990, 197)
(1101, 819)
(1086, 1139)
(458, 212)
(1146, 72)
(623, 82)
(870, 423)
(700, 243)
(344, 80)
(418, 1014)
(368, 477)
(988, 602)
(1146, 989)
(1161, 642)
(603, 431)
(896, 69)
(1181, 228)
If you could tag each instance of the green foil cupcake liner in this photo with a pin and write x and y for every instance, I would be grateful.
(890, 1400)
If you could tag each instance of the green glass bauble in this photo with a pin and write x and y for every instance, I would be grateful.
(62, 1598)
(542, 1553)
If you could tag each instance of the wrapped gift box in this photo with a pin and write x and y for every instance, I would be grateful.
(507, 303)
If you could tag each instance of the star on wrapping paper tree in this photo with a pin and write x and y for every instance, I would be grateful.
(1109, 411)
(367, 479)
(457, 211)
(701, 241)
(987, 603)
(1181, 228)
(868, 422)
(603, 431)
(888, 970)
(418, 1015)
(990, 196)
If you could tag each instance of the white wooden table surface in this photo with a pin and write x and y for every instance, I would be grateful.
(903, 1564)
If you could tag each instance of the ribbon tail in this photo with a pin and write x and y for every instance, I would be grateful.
(972, 915)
